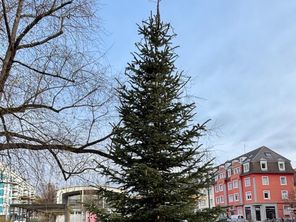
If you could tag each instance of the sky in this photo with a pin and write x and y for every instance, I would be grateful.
(241, 57)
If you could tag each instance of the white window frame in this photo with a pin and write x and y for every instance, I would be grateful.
(285, 180)
(285, 195)
(236, 170)
(239, 211)
(283, 164)
(235, 182)
(221, 199)
(217, 200)
(246, 167)
(266, 192)
(286, 210)
(248, 195)
(236, 197)
(229, 185)
(247, 181)
(222, 175)
(265, 163)
(220, 187)
(267, 180)
(230, 198)
(216, 188)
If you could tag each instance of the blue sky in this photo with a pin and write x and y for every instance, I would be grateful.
(241, 56)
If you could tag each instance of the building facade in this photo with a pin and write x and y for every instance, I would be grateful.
(75, 199)
(207, 199)
(13, 190)
(258, 185)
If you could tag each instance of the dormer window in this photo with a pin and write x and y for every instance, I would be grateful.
(236, 170)
(268, 154)
(263, 164)
(246, 167)
(281, 165)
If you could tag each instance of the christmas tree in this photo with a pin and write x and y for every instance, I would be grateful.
(157, 160)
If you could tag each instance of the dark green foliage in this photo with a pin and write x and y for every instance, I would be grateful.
(157, 160)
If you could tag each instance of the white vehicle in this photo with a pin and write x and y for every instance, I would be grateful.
(237, 218)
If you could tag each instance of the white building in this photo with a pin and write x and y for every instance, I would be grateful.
(75, 199)
(13, 190)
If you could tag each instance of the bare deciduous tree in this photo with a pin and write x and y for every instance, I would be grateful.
(53, 93)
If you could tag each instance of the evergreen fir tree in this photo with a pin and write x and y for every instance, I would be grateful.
(157, 159)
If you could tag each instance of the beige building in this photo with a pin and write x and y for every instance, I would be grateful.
(207, 200)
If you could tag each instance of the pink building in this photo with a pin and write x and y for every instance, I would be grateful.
(258, 185)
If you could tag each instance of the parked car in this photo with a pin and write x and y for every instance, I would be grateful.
(237, 218)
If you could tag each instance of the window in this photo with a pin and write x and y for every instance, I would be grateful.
(236, 170)
(246, 167)
(216, 177)
(239, 211)
(229, 184)
(229, 172)
(281, 165)
(266, 194)
(287, 210)
(236, 197)
(217, 200)
(283, 180)
(230, 198)
(284, 194)
(265, 180)
(263, 164)
(247, 182)
(267, 154)
(248, 195)
(221, 187)
(221, 199)
(222, 175)
(235, 184)
(216, 188)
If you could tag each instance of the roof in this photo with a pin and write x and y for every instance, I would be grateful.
(264, 153)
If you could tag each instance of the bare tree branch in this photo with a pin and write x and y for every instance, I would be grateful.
(63, 147)
(38, 18)
(6, 22)
(41, 42)
(41, 72)
(55, 98)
